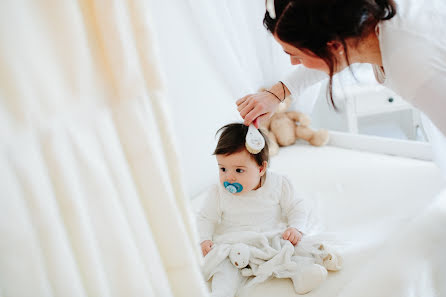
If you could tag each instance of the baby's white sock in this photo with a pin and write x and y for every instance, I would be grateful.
(308, 278)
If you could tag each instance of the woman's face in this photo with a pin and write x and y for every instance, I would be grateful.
(299, 57)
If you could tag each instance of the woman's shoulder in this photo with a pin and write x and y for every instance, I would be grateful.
(412, 42)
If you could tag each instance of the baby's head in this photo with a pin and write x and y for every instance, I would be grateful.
(236, 165)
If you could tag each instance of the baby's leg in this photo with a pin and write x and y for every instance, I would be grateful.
(226, 281)
(308, 277)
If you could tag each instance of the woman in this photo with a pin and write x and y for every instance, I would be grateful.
(404, 40)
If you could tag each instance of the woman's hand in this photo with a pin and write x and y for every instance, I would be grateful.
(206, 246)
(262, 105)
(292, 235)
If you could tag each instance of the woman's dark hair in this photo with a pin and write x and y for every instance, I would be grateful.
(310, 24)
(232, 140)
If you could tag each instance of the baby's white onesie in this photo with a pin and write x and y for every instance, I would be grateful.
(273, 207)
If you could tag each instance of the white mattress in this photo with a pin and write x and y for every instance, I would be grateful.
(365, 202)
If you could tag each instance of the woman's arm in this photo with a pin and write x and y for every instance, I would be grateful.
(302, 78)
(262, 105)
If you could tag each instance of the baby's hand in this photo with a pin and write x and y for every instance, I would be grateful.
(206, 246)
(292, 235)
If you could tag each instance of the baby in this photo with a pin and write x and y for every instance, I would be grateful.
(249, 200)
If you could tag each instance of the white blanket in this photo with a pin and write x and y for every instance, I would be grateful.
(270, 255)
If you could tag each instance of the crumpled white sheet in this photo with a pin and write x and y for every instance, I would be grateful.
(413, 263)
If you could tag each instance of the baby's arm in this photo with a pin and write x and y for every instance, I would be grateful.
(294, 210)
(293, 235)
(207, 218)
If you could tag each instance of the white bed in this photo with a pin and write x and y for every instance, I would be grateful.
(367, 202)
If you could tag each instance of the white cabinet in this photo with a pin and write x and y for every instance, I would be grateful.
(366, 100)
(375, 100)
(365, 106)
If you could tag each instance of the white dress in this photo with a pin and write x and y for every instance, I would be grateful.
(413, 49)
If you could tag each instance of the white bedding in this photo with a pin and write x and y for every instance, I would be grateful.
(382, 213)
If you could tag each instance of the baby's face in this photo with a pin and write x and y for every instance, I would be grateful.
(240, 168)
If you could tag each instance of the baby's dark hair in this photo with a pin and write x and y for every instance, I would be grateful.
(232, 140)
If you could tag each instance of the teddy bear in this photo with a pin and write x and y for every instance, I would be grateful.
(285, 127)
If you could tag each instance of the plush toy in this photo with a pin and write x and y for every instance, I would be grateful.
(239, 255)
(285, 127)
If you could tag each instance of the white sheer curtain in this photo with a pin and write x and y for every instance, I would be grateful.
(238, 45)
(92, 201)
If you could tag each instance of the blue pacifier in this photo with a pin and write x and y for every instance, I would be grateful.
(233, 188)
